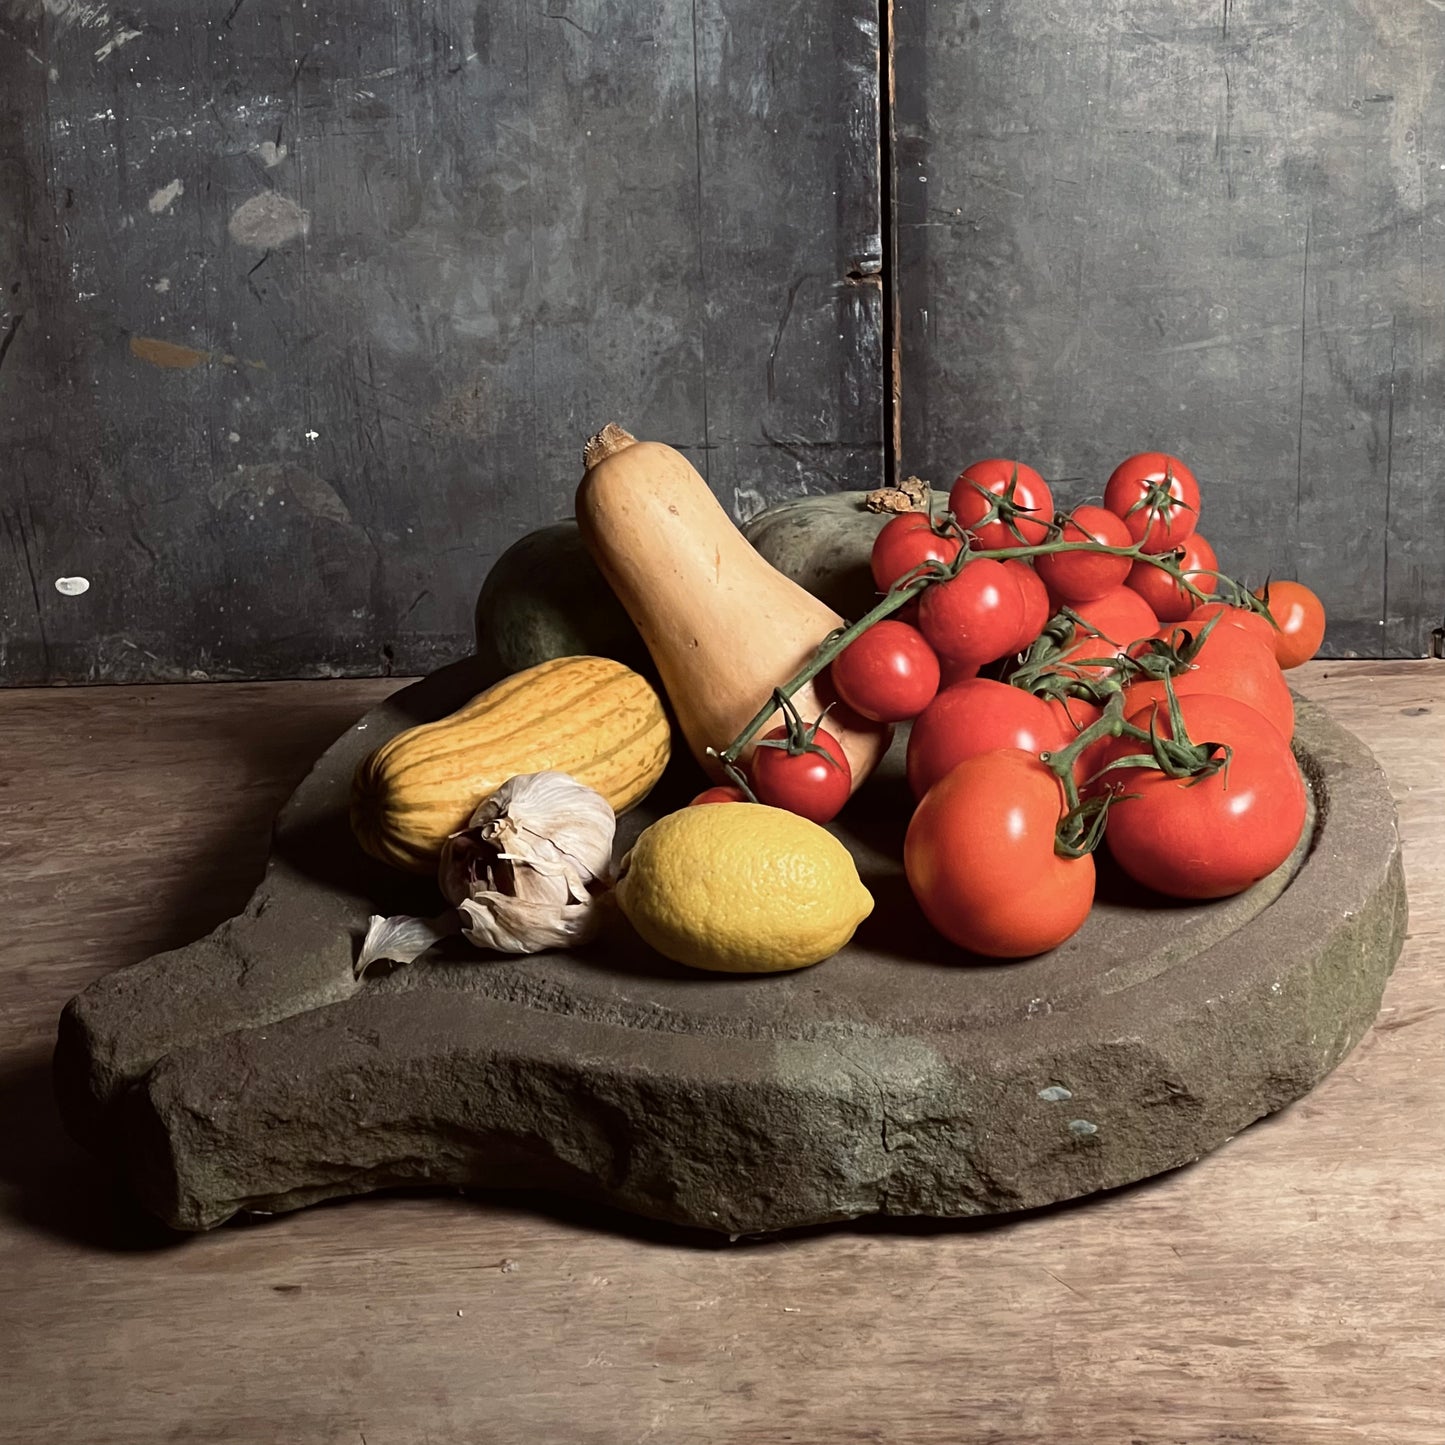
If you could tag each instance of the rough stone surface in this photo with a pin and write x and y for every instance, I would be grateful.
(249, 1072)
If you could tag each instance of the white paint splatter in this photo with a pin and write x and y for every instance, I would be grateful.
(166, 197)
(312, 435)
(121, 37)
(162, 286)
(64, 12)
(268, 220)
(271, 154)
(72, 586)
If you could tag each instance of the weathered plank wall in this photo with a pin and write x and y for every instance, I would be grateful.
(307, 310)
(1216, 229)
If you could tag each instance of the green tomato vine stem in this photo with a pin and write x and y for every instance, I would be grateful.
(928, 575)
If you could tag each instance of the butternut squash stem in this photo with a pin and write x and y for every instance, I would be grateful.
(607, 443)
(904, 593)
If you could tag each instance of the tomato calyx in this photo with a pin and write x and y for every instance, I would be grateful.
(1158, 498)
(801, 737)
(1003, 507)
(1081, 826)
(1047, 669)
(1164, 657)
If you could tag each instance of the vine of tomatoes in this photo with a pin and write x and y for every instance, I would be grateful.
(1071, 680)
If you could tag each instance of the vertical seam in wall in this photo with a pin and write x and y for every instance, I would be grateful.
(888, 229)
(701, 250)
(1299, 476)
(1389, 485)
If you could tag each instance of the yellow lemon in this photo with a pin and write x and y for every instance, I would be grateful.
(742, 888)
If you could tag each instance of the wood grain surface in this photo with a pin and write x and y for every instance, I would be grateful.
(306, 312)
(1288, 1290)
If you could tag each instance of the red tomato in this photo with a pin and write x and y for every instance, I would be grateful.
(1171, 603)
(976, 717)
(723, 793)
(976, 616)
(1300, 616)
(1035, 597)
(908, 612)
(1254, 623)
(1233, 663)
(953, 672)
(974, 492)
(906, 543)
(1073, 715)
(889, 674)
(1215, 836)
(980, 859)
(1074, 577)
(805, 783)
(1114, 622)
(1163, 524)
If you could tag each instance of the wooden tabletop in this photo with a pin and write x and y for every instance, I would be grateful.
(1288, 1290)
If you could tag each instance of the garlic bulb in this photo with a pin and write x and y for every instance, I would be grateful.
(524, 875)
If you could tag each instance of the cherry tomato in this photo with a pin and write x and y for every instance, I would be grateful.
(723, 793)
(806, 783)
(1210, 837)
(1300, 616)
(1160, 526)
(1113, 622)
(1171, 603)
(1035, 598)
(1255, 623)
(1073, 715)
(976, 717)
(974, 492)
(951, 672)
(908, 613)
(906, 543)
(1232, 663)
(889, 674)
(1074, 577)
(980, 858)
(974, 617)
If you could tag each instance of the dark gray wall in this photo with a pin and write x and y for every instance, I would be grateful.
(308, 310)
(1210, 228)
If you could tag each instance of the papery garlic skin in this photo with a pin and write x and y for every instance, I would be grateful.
(526, 874)
(553, 834)
(402, 939)
(514, 925)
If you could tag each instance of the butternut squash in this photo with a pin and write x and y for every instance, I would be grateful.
(590, 717)
(723, 627)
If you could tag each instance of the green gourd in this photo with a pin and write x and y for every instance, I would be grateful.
(544, 598)
(823, 544)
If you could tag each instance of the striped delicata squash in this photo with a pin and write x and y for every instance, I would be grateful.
(590, 717)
